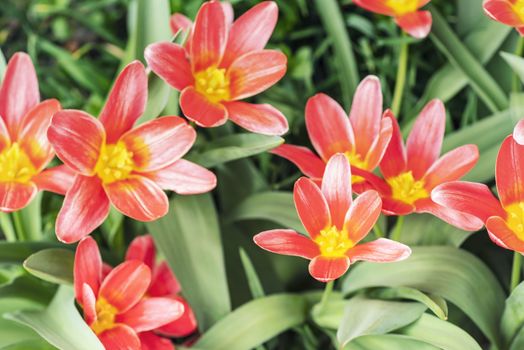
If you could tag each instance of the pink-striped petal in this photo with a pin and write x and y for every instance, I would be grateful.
(502, 11)
(501, 233)
(87, 268)
(15, 195)
(120, 337)
(336, 188)
(287, 242)
(151, 313)
(391, 206)
(183, 326)
(179, 22)
(142, 248)
(509, 172)
(307, 161)
(88, 303)
(258, 118)
(328, 269)
(200, 110)
(362, 215)
(452, 166)
(518, 132)
(417, 24)
(164, 282)
(380, 144)
(394, 161)
(312, 207)
(381, 250)
(377, 6)
(463, 221)
(58, 179)
(169, 61)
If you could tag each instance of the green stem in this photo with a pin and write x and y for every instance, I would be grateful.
(518, 52)
(7, 227)
(378, 231)
(397, 230)
(325, 296)
(19, 226)
(400, 81)
(515, 271)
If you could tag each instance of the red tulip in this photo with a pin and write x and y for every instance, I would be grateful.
(163, 284)
(405, 12)
(118, 164)
(508, 12)
(225, 63)
(363, 137)
(114, 306)
(24, 148)
(335, 223)
(504, 219)
(411, 172)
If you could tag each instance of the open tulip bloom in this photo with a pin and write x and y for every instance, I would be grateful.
(508, 12)
(363, 137)
(223, 64)
(504, 219)
(405, 12)
(335, 223)
(116, 306)
(24, 148)
(118, 164)
(413, 170)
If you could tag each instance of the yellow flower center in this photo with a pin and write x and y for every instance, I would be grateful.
(406, 189)
(355, 160)
(106, 314)
(115, 163)
(515, 219)
(15, 165)
(333, 243)
(213, 83)
(402, 7)
(518, 8)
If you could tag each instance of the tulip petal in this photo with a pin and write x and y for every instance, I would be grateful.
(366, 113)
(452, 166)
(328, 126)
(126, 284)
(58, 179)
(328, 269)
(463, 221)
(509, 172)
(336, 188)
(19, 92)
(159, 142)
(85, 207)
(164, 282)
(77, 139)
(15, 195)
(209, 36)
(380, 144)
(151, 313)
(312, 207)
(377, 6)
(138, 197)
(518, 132)
(120, 337)
(169, 61)
(87, 268)
(502, 11)
(151, 341)
(500, 232)
(183, 326)
(425, 140)
(258, 22)
(394, 161)
(179, 22)
(381, 250)
(5, 139)
(258, 118)
(308, 162)
(142, 248)
(391, 206)
(468, 197)
(287, 242)
(417, 24)
(362, 215)
(88, 304)
(184, 177)
(32, 135)
(200, 110)
(255, 72)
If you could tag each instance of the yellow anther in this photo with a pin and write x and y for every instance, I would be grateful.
(406, 189)
(115, 163)
(515, 218)
(402, 7)
(333, 243)
(106, 314)
(356, 160)
(15, 165)
(213, 83)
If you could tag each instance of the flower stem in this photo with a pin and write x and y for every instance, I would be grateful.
(397, 230)
(7, 227)
(19, 226)
(518, 52)
(515, 271)
(325, 296)
(378, 231)
(400, 81)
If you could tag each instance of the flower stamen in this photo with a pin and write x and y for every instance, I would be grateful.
(115, 163)
(213, 83)
(15, 165)
(406, 189)
(333, 243)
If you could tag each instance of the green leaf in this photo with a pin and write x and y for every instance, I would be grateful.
(234, 147)
(367, 316)
(13, 332)
(388, 342)
(425, 229)
(255, 322)
(60, 324)
(31, 219)
(251, 274)
(451, 273)
(518, 342)
(516, 63)
(17, 252)
(331, 314)
(3, 65)
(512, 319)
(451, 46)
(54, 265)
(189, 237)
(29, 344)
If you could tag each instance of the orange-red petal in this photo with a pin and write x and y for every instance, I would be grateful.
(463, 221)
(164, 282)
(381, 250)
(85, 207)
(179, 22)
(200, 110)
(502, 11)
(380, 144)
(88, 302)
(287, 242)
(307, 161)
(509, 172)
(87, 268)
(183, 326)
(169, 61)
(362, 215)
(503, 235)
(392, 206)
(19, 92)
(77, 139)
(417, 24)
(125, 285)
(255, 72)
(258, 22)
(328, 126)
(394, 160)
(258, 118)
(138, 197)
(336, 188)
(57, 179)
(120, 337)
(142, 248)
(377, 6)
(328, 269)
(151, 313)
(15, 195)
(312, 207)
(126, 101)
(159, 142)
(151, 341)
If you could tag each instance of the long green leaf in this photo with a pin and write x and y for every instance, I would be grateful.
(515, 62)
(189, 237)
(54, 265)
(513, 316)
(388, 342)
(17, 252)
